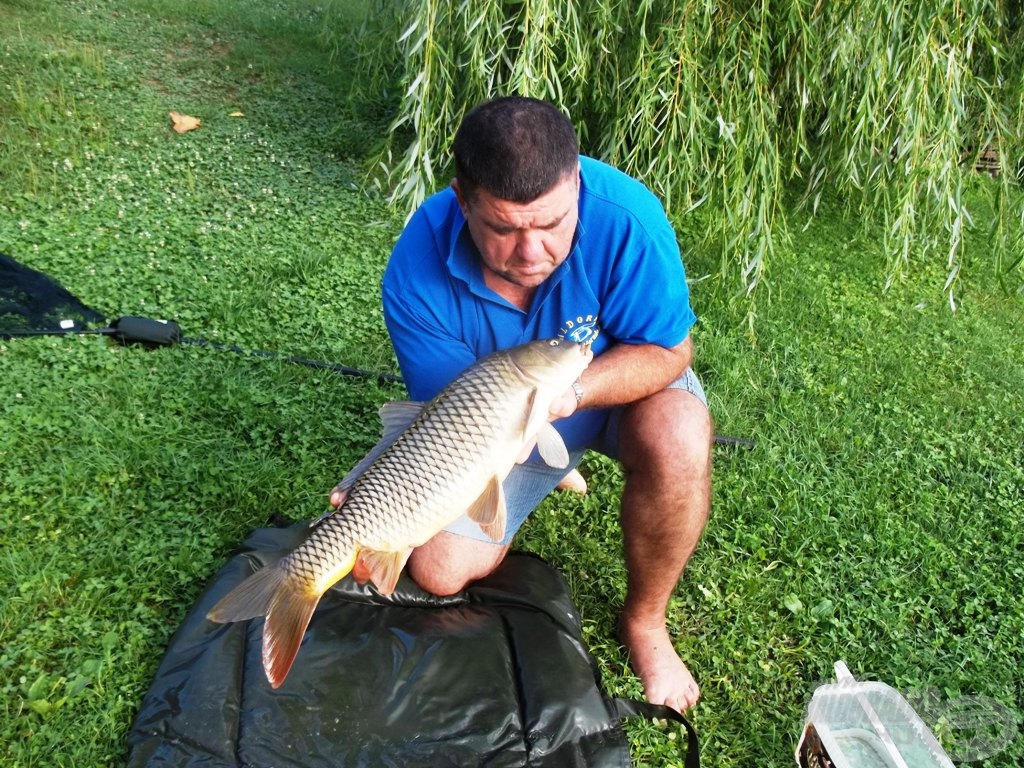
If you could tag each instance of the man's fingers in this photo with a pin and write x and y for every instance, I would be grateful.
(337, 496)
(562, 406)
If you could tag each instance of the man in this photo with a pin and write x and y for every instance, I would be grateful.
(534, 241)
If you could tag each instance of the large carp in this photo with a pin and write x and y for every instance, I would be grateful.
(435, 463)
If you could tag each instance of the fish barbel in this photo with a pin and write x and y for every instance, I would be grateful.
(435, 463)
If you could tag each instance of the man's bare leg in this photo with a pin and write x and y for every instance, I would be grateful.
(665, 448)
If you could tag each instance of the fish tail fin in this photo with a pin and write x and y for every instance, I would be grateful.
(286, 623)
(288, 603)
(287, 600)
(250, 599)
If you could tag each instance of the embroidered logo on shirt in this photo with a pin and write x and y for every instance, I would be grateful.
(581, 329)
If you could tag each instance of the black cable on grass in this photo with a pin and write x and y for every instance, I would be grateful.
(736, 442)
(150, 332)
(382, 378)
(36, 299)
(164, 333)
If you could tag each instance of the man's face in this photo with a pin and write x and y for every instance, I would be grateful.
(523, 243)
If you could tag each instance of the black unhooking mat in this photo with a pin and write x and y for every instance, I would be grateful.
(496, 676)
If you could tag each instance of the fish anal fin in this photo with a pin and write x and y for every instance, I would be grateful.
(383, 568)
(285, 625)
(551, 447)
(489, 510)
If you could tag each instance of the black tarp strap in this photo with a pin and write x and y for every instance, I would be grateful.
(624, 708)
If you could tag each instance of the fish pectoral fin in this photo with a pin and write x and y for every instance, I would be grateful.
(552, 447)
(524, 454)
(383, 568)
(489, 511)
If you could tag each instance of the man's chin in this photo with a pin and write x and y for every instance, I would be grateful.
(529, 279)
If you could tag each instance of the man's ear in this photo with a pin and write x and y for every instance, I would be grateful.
(463, 204)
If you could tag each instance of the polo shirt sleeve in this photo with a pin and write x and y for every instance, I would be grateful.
(419, 312)
(645, 298)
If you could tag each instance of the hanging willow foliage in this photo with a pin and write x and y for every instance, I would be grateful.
(721, 105)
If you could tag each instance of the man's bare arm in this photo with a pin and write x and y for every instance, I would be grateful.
(626, 373)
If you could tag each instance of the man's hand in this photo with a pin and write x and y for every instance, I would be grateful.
(563, 405)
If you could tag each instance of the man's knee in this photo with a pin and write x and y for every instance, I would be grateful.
(437, 581)
(694, 434)
(448, 563)
(671, 430)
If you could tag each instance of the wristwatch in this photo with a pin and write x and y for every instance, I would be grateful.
(577, 388)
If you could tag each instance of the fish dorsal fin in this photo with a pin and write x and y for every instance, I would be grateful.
(552, 447)
(489, 510)
(343, 494)
(395, 418)
(383, 568)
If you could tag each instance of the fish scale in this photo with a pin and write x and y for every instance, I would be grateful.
(445, 463)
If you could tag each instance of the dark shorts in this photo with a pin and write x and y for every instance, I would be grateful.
(529, 483)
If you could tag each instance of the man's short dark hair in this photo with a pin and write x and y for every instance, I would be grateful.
(514, 148)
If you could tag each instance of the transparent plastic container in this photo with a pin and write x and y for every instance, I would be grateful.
(865, 725)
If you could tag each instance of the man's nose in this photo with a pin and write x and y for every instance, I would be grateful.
(530, 245)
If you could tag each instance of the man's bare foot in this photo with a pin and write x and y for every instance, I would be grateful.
(665, 677)
(574, 482)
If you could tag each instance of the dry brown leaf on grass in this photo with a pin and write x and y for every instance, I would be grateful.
(184, 123)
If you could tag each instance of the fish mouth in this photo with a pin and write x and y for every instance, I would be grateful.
(584, 349)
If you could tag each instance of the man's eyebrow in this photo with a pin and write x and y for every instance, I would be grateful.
(505, 228)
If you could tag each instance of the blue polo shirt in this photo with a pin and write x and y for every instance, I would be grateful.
(622, 282)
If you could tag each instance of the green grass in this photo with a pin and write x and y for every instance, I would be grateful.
(878, 520)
